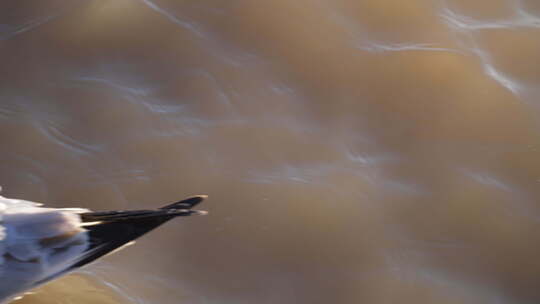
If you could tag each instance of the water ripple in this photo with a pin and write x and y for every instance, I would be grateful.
(375, 47)
(134, 90)
(55, 135)
(466, 26)
(465, 23)
(9, 31)
(183, 23)
(218, 48)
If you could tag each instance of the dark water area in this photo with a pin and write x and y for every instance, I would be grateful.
(353, 151)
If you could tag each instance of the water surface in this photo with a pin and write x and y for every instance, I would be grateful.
(354, 151)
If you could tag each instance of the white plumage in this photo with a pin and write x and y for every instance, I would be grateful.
(36, 243)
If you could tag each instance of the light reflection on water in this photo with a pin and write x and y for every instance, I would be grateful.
(353, 151)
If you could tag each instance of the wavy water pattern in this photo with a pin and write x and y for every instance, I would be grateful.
(468, 26)
(349, 148)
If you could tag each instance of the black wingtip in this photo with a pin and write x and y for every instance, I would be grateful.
(187, 203)
(110, 230)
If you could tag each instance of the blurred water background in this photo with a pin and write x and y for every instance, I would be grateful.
(372, 151)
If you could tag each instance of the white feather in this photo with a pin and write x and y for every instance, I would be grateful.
(36, 243)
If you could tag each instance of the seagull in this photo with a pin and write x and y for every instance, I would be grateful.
(39, 244)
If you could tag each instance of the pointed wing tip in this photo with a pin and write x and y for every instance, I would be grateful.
(187, 203)
(200, 197)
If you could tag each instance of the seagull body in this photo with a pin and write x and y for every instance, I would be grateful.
(40, 244)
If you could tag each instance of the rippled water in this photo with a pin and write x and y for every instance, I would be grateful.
(377, 151)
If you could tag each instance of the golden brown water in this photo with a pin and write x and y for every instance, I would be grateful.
(377, 151)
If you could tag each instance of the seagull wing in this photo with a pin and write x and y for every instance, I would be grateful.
(110, 230)
(40, 244)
